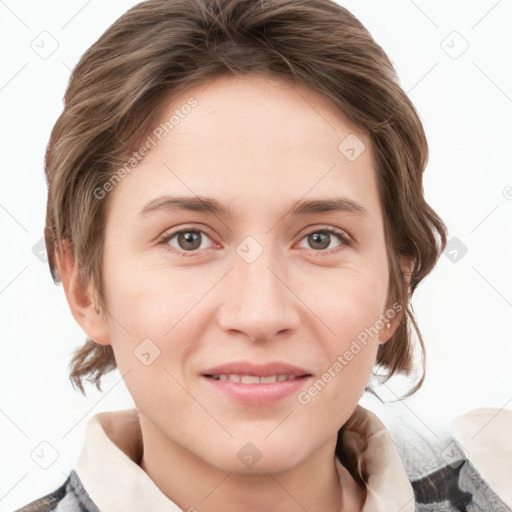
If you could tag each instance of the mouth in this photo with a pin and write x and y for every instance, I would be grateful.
(254, 379)
(256, 384)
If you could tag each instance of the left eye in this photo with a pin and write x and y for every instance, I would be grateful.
(321, 239)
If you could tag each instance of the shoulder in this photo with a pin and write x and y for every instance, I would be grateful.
(69, 497)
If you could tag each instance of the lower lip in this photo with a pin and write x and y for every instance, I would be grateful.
(258, 393)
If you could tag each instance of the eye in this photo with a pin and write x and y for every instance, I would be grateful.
(189, 241)
(186, 241)
(322, 240)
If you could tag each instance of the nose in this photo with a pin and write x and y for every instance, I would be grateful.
(258, 303)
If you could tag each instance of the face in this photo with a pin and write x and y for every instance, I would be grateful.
(244, 257)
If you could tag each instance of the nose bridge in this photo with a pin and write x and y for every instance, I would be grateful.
(258, 303)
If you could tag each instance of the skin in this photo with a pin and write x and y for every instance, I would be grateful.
(256, 145)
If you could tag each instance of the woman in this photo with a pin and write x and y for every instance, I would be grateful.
(236, 214)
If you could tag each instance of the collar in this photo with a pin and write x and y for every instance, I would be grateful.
(109, 471)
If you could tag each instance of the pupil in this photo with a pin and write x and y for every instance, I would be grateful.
(189, 240)
(320, 238)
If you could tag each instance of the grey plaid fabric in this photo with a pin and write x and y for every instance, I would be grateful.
(441, 474)
(69, 497)
(454, 487)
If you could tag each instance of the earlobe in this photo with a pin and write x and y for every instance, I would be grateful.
(387, 331)
(80, 296)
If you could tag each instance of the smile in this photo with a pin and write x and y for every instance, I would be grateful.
(256, 384)
(252, 379)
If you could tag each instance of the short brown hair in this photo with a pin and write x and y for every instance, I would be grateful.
(160, 48)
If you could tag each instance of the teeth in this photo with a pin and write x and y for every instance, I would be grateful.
(253, 379)
(249, 379)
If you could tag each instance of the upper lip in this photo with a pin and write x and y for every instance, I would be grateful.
(258, 370)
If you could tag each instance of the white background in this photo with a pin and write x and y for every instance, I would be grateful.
(464, 309)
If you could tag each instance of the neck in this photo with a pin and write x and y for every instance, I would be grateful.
(317, 484)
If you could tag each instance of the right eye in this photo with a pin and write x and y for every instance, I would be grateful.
(187, 242)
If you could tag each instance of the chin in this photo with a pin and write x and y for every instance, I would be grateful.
(257, 456)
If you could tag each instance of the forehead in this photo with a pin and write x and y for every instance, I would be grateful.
(245, 114)
(252, 138)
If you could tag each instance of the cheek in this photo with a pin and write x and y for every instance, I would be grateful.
(351, 348)
(149, 302)
(351, 312)
(351, 302)
(155, 320)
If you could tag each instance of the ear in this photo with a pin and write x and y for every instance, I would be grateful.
(395, 314)
(80, 296)
(407, 266)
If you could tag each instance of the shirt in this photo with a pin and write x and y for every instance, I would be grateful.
(107, 476)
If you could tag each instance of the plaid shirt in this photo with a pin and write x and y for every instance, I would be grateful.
(437, 467)
(459, 488)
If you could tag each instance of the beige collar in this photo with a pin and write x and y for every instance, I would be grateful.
(109, 471)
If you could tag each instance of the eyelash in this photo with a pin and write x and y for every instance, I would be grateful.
(345, 241)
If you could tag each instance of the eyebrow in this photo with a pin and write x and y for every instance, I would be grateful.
(212, 206)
